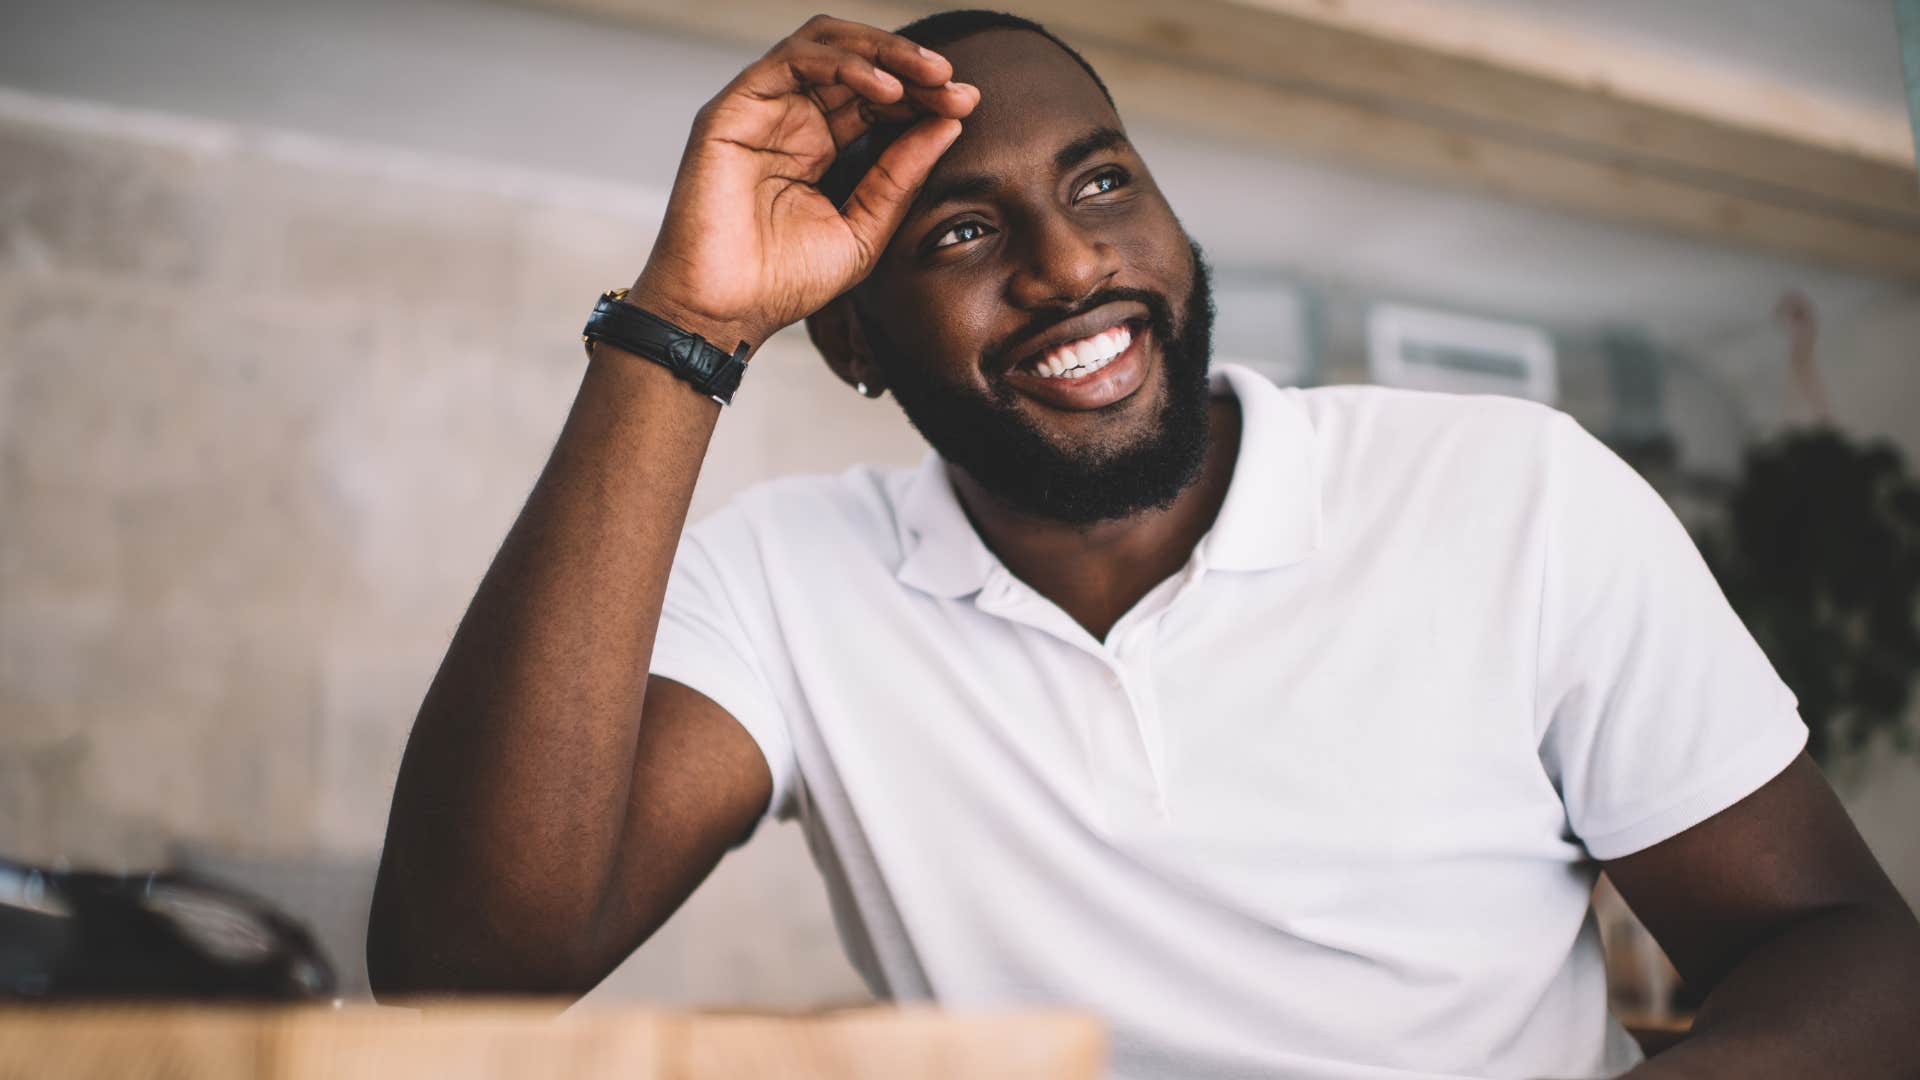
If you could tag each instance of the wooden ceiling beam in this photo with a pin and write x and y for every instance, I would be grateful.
(1341, 81)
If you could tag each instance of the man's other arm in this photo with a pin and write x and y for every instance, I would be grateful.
(1809, 956)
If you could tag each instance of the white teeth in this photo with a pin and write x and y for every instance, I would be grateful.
(1086, 356)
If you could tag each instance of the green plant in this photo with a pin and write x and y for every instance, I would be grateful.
(1820, 554)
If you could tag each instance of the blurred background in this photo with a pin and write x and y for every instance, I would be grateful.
(290, 295)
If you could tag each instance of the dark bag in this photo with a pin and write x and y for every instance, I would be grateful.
(68, 935)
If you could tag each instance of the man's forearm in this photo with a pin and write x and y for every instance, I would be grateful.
(1837, 994)
(507, 815)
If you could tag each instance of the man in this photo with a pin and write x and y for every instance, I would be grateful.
(1287, 730)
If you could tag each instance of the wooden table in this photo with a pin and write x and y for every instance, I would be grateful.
(527, 1041)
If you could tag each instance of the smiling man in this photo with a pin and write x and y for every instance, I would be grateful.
(1287, 730)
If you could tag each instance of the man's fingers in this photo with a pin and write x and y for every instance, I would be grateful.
(909, 61)
(803, 66)
(880, 200)
(954, 100)
(851, 118)
(886, 60)
(849, 115)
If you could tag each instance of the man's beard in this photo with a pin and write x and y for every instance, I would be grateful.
(987, 437)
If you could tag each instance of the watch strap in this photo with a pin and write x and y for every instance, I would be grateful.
(688, 355)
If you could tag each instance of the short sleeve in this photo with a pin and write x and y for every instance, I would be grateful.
(1656, 707)
(713, 630)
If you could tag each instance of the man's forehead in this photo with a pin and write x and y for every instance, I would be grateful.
(1033, 97)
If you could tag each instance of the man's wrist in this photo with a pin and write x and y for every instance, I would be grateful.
(660, 301)
(647, 333)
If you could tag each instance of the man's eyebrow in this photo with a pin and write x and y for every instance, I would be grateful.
(961, 186)
(954, 188)
(1084, 147)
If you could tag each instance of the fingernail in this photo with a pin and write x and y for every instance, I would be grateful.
(929, 53)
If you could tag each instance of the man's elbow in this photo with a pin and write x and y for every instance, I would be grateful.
(391, 978)
(401, 980)
(402, 966)
(406, 966)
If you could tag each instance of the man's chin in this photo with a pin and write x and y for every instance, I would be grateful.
(1091, 467)
(1088, 441)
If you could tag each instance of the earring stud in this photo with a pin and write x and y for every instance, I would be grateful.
(862, 389)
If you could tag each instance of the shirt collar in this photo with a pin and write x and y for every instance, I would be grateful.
(944, 555)
(1271, 516)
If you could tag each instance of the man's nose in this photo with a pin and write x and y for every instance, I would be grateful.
(1064, 265)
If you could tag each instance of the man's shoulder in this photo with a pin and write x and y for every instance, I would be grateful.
(1435, 463)
(1373, 428)
(1360, 403)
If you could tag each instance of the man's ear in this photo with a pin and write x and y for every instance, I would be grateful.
(838, 334)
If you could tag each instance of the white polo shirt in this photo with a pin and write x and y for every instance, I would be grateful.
(1325, 804)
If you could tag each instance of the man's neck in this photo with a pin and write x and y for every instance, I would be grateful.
(1096, 573)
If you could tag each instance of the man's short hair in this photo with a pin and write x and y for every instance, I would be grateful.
(933, 31)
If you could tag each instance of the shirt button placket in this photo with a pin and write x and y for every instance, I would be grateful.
(1132, 740)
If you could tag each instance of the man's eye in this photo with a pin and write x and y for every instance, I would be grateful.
(1111, 180)
(962, 233)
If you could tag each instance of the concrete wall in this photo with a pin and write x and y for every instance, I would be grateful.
(287, 327)
(267, 406)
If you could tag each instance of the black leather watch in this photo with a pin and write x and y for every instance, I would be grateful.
(688, 355)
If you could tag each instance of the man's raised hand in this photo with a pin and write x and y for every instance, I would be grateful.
(749, 244)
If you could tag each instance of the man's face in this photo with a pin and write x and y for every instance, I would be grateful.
(1041, 315)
